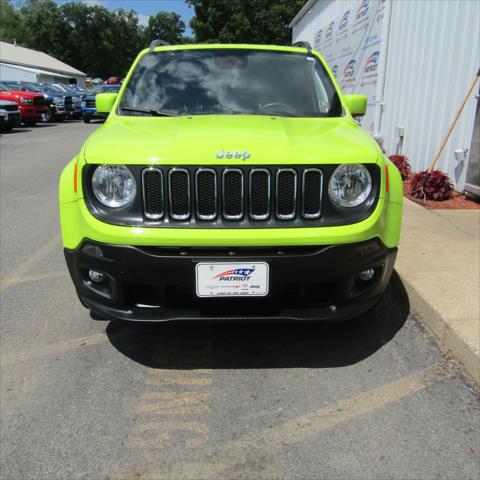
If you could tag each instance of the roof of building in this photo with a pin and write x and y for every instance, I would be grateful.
(32, 58)
(303, 11)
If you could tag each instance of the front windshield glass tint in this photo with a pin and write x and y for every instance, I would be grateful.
(52, 88)
(105, 89)
(249, 82)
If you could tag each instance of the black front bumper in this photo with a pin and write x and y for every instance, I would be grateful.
(154, 284)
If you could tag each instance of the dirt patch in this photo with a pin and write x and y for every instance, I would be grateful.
(458, 202)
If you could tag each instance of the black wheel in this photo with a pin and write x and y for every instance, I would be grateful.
(29, 123)
(6, 128)
(86, 119)
(49, 116)
(60, 118)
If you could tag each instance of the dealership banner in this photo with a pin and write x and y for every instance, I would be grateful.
(351, 44)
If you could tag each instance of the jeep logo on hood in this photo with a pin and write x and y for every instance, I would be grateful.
(243, 155)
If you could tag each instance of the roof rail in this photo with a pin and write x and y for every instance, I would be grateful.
(156, 43)
(302, 44)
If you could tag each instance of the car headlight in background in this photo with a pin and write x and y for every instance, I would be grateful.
(350, 185)
(58, 100)
(26, 101)
(83, 104)
(113, 185)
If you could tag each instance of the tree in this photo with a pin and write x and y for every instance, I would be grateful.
(11, 23)
(45, 27)
(167, 26)
(101, 42)
(244, 21)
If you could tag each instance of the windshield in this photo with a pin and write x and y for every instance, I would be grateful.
(105, 89)
(249, 82)
(12, 86)
(48, 87)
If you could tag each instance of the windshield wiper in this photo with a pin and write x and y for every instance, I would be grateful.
(154, 113)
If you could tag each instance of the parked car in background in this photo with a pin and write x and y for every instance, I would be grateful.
(9, 115)
(97, 81)
(76, 98)
(54, 102)
(88, 103)
(112, 81)
(53, 91)
(31, 104)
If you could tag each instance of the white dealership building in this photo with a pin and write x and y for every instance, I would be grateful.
(27, 65)
(415, 60)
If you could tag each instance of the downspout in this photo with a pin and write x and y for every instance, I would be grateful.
(380, 103)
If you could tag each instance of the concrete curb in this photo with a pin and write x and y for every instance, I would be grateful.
(448, 338)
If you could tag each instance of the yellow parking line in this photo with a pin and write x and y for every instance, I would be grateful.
(24, 267)
(53, 349)
(179, 380)
(305, 426)
(37, 277)
(301, 428)
(199, 409)
(167, 426)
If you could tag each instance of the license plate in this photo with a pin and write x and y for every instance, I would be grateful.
(231, 279)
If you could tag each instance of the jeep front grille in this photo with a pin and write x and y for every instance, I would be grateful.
(231, 195)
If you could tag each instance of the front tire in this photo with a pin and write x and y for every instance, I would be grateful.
(49, 116)
(86, 119)
(29, 123)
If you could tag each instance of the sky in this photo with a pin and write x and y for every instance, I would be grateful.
(145, 8)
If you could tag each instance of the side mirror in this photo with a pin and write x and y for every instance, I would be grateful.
(356, 104)
(104, 102)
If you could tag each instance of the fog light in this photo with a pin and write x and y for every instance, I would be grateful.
(367, 275)
(95, 276)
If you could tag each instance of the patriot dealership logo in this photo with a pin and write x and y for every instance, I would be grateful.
(372, 62)
(235, 275)
(329, 31)
(318, 38)
(349, 69)
(362, 9)
(344, 21)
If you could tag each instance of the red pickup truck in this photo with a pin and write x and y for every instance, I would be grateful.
(31, 104)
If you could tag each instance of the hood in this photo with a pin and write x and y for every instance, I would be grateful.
(22, 93)
(197, 140)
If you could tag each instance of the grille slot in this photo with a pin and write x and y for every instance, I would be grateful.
(206, 193)
(223, 195)
(259, 193)
(233, 193)
(312, 193)
(286, 193)
(153, 197)
(179, 193)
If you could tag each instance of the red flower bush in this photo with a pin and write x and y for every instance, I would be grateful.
(433, 186)
(403, 165)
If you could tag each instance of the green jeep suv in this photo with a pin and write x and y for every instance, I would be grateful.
(230, 182)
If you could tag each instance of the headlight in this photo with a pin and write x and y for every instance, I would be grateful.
(113, 185)
(58, 100)
(26, 101)
(350, 185)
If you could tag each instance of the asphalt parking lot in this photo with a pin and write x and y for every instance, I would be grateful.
(80, 399)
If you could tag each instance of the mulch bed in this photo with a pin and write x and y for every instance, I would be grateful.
(458, 202)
